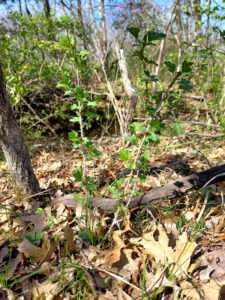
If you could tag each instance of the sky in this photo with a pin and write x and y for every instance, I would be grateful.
(165, 4)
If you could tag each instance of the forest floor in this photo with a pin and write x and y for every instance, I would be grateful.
(63, 250)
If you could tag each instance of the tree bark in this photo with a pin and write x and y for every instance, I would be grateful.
(13, 146)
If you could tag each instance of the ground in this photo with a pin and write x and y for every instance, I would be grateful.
(65, 250)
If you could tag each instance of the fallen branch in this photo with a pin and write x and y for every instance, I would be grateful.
(170, 191)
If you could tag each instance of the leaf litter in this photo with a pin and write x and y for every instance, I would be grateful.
(152, 253)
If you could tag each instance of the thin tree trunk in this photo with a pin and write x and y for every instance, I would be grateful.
(92, 16)
(47, 8)
(197, 16)
(80, 16)
(72, 9)
(13, 146)
(208, 23)
(103, 28)
(27, 8)
(20, 7)
(178, 35)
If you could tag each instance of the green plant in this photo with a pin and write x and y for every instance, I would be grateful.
(78, 283)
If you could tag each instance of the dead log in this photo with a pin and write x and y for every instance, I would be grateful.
(173, 190)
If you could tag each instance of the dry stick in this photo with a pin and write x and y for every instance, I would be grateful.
(38, 118)
(111, 94)
(117, 277)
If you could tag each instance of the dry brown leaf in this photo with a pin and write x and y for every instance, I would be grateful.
(66, 200)
(159, 249)
(107, 296)
(70, 245)
(45, 290)
(211, 290)
(113, 256)
(12, 266)
(39, 254)
(166, 255)
(214, 263)
(189, 291)
(182, 254)
(38, 221)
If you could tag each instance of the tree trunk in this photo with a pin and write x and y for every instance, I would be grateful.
(12, 144)
(81, 20)
(103, 28)
(47, 8)
(197, 16)
(20, 7)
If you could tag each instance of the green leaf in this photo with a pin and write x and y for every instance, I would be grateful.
(78, 175)
(137, 127)
(75, 119)
(124, 155)
(80, 93)
(92, 150)
(80, 198)
(185, 85)
(35, 237)
(74, 106)
(131, 165)
(146, 156)
(154, 138)
(150, 76)
(92, 103)
(73, 136)
(134, 31)
(151, 36)
(156, 126)
(68, 93)
(133, 139)
(119, 183)
(186, 67)
(170, 66)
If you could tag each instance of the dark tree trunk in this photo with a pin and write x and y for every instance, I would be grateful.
(81, 20)
(47, 8)
(13, 146)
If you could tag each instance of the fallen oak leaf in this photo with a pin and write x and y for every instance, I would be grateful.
(159, 249)
(179, 257)
(182, 255)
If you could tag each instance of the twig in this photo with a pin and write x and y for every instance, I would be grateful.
(38, 118)
(118, 277)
